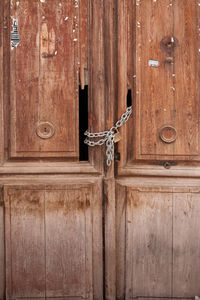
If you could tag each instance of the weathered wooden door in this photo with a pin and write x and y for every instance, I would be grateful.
(157, 196)
(51, 195)
(71, 227)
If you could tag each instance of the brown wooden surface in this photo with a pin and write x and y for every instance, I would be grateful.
(186, 261)
(50, 233)
(157, 238)
(158, 93)
(2, 249)
(45, 88)
(148, 244)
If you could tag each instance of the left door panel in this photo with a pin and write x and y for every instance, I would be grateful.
(43, 64)
(53, 240)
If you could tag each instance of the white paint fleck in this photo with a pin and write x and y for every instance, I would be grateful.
(75, 40)
(199, 50)
(56, 52)
(173, 88)
(165, 109)
(198, 4)
(74, 30)
(43, 17)
(154, 0)
(60, 4)
(43, 1)
(173, 75)
(134, 76)
(66, 18)
(17, 3)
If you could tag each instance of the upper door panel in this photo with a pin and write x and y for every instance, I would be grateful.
(162, 70)
(44, 65)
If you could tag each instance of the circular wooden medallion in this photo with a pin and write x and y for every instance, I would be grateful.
(167, 134)
(45, 130)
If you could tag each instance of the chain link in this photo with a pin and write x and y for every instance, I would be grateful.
(108, 136)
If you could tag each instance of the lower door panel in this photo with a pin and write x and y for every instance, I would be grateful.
(158, 241)
(53, 241)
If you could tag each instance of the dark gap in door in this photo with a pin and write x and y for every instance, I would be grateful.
(129, 98)
(83, 122)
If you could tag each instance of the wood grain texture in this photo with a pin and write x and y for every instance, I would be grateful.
(166, 95)
(44, 78)
(186, 256)
(57, 244)
(148, 244)
(83, 41)
(3, 24)
(25, 255)
(120, 241)
(110, 238)
(186, 81)
(2, 248)
(157, 231)
(96, 117)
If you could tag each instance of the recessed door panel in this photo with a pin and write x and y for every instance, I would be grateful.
(157, 240)
(167, 92)
(52, 241)
(44, 78)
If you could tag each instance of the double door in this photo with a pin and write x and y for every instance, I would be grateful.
(70, 226)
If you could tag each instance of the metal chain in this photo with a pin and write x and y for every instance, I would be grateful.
(108, 136)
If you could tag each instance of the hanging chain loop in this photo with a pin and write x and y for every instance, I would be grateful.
(108, 137)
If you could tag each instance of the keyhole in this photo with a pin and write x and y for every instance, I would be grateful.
(45, 129)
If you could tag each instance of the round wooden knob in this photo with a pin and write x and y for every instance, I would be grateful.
(45, 130)
(167, 134)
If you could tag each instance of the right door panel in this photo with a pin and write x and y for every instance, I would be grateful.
(163, 74)
(158, 241)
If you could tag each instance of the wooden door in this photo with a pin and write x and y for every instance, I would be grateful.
(157, 223)
(71, 227)
(51, 229)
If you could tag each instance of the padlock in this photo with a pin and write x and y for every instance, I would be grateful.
(117, 137)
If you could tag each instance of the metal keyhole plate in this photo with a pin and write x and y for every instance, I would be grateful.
(168, 44)
(45, 130)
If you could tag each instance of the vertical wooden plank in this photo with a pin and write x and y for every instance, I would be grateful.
(186, 80)
(110, 59)
(3, 26)
(122, 84)
(24, 72)
(68, 243)
(148, 244)
(154, 95)
(2, 248)
(97, 207)
(120, 241)
(186, 244)
(110, 238)
(25, 257)
(58, 104)
(83, 41)
(96, 121)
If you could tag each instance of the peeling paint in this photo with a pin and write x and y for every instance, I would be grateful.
(17, 3)
(43, 1)
(15, 35)
(66, 18)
